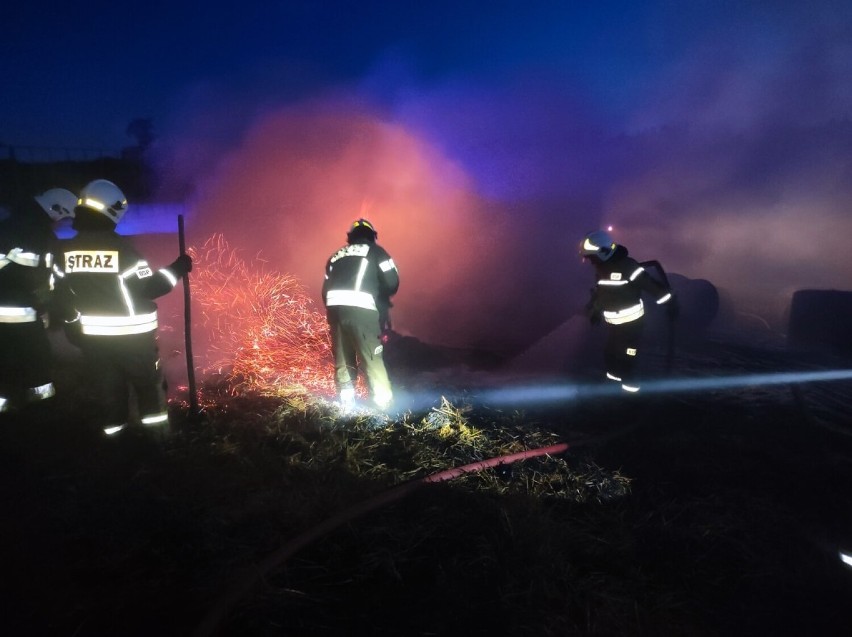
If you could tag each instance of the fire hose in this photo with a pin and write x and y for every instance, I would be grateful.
(220, 610)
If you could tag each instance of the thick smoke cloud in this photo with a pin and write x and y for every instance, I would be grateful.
(299, 177)
(732, 164)
(739, 166)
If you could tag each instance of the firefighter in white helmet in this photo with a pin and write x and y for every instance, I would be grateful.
(27, 245)
(107, 290)
(359, 280)
(617, 298)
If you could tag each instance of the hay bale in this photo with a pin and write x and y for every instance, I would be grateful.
(820, 319)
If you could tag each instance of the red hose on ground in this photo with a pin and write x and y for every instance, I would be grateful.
(211, 623)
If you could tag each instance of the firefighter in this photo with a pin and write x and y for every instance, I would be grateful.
(359, 280)
(106, 289)
(617, 298)
(27, 245)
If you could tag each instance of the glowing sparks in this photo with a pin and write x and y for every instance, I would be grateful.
(263, 328)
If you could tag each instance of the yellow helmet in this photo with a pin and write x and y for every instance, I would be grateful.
(361, 228)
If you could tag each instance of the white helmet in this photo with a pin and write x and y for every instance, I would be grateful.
(58, 203)
(105, 197)
(598, 243)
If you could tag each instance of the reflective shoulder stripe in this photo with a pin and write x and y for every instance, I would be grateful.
(27, 259)
(387, 265)
(18, 315)
(353, 250)
(664, 298)
(352, 298)
(41, 392)
(636, 273)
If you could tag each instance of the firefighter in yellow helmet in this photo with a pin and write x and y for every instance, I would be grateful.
(359, 280)
(27, 244)
(107, 289)
(617, 298)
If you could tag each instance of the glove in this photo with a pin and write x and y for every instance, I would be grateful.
(181, 266)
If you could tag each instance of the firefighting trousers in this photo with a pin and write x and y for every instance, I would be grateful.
(622, 349)
(356, 340)
(117, 364)
(26, 374)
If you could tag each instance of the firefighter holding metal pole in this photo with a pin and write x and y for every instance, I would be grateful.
(106, 290)
(617, 298)
(359, 280)
(27, 243)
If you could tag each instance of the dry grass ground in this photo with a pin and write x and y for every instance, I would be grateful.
(720, 513)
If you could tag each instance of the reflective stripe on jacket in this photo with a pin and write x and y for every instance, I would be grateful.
(108, 285)
(18, 315)
(360, 275)
(620, 284)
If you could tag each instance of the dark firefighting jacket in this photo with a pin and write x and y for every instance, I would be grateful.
(26, 262)
(106, 285)
(621, 280)
(360, 275)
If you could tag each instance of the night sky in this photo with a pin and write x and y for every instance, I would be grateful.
(714, 136)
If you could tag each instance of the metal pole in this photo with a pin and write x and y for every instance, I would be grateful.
(187, 329)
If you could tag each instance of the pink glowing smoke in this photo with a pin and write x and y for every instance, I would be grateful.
(289, 192)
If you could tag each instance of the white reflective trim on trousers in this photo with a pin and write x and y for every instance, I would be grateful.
(352, 298)
(382, 399)
(41, 392)
(110, 431)
(156, 419)
(118, 325)
(626, 315)
(631, 388)
(18, 315)
(613, 377)
(4, 404)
